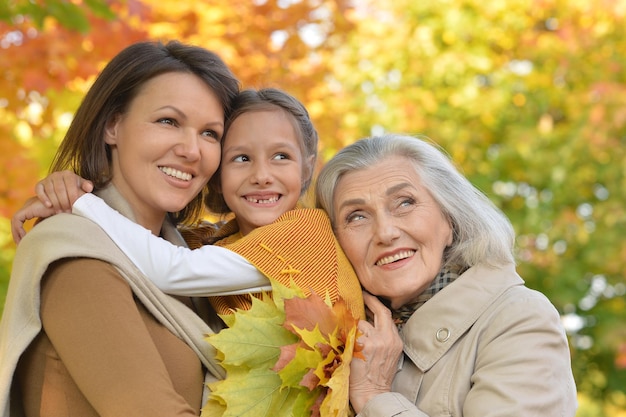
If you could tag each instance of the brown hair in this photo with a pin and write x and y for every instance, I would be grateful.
(83, 149)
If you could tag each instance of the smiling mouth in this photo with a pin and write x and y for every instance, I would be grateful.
(263, 200)
(398, 256)
(185, 176)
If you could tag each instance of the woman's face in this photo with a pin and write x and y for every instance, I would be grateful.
(391, 229)
(262, 165)
(166, 146)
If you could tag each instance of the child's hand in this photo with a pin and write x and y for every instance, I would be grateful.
(61, 189)
(33, 208)
(55, 194)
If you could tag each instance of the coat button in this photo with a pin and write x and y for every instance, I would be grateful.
(443, 334)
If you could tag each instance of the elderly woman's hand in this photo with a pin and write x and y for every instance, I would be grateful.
(382, 348)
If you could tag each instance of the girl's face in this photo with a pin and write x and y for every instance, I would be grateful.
(166, 146)
(391, 229)
(262, 168)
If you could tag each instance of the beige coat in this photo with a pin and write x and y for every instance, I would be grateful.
(63, 236)
(485, 346)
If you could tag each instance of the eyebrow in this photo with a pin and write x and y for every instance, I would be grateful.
(390, 191)
(352, 202)
(174, 109)
(280, 146)
(398, 187)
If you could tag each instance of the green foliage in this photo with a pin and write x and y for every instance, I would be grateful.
(287, 356)
(526, 96)
(7, 252)
(69, 14)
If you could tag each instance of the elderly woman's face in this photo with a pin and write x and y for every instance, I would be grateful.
(391, 229)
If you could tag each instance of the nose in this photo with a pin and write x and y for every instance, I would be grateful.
(386, 229)
(188, 146)
(262, 174)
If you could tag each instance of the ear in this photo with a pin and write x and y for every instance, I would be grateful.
(307, 175)
(111, 130)
(451, 237)
(310, 161)
(309, 167)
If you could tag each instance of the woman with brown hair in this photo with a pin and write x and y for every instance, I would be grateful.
(83, 332)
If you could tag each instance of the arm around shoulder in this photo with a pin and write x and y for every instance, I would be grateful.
(209, 270)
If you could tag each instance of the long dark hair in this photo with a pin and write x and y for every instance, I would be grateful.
(83, 149)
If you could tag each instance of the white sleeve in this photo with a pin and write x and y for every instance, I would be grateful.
(209, 270)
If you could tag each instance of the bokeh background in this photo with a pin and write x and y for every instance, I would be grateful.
(527, 96)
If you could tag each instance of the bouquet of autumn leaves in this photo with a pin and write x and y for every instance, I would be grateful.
(289, 355)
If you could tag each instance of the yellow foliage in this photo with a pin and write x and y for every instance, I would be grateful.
(442, 68)
(287, 355)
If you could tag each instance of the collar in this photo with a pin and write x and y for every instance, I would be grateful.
(113, 198)
(453, 311)
(443, 278)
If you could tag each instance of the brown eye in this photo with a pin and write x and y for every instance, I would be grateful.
(241, 158)
(209, 133)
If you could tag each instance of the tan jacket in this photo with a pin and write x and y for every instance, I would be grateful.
(484, 346)
(64, 236)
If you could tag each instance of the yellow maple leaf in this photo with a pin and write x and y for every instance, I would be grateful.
(334, 404)
(285, 356)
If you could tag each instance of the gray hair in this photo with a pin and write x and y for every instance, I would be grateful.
(482, 234)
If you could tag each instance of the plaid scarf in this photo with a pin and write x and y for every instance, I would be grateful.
(446, 276)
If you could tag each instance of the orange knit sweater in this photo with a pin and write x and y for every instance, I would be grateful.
(299, 245)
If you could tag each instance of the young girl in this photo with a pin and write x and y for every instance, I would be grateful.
(268, 158)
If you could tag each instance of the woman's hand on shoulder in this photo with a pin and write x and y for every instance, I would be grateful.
(382, 347)
(55, 194)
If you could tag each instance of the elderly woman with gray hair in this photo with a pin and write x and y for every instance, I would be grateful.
(452, 329)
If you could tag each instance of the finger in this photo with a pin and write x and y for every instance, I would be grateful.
(58, 187)
(73, 190)
(47, 189)
(365, 328)
(85, 185)
(371, 301)
(379, 310)
(17, 230)
(69, 187)
(31, 209)
(40, 191)
(384, 325)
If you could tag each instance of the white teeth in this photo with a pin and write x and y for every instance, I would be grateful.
(389, 259)
(185, 176)
(265, 201)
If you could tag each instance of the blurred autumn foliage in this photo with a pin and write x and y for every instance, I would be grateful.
(528, 97)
